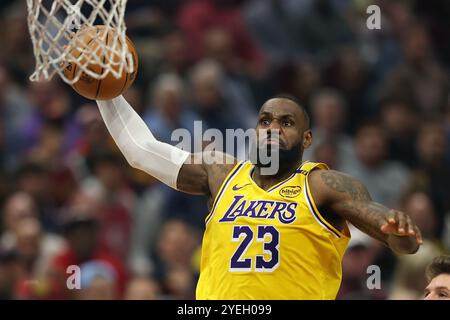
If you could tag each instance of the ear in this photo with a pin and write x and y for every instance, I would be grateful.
(307, 139)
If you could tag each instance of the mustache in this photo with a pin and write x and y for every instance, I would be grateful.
(265, 141)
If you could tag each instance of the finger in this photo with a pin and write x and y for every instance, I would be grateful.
(418, 235)
(410, 226)
(401, 221)
(388, 226)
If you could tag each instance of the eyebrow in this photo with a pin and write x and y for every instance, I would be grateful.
(437, 288)
(286, 115)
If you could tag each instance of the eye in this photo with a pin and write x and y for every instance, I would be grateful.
(287, 123)
(264, 121)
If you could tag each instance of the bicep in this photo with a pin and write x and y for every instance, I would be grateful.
(349, 199)
(193, 176)
(203, 172)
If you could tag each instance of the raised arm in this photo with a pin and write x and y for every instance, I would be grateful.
(349, 199)
(177, 168)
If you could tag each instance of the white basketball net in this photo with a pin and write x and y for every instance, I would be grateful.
(52, 24)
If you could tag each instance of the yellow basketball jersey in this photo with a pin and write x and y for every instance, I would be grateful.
(270, 244)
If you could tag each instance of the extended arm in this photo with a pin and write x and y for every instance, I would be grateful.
(349, 199)
(177, 168)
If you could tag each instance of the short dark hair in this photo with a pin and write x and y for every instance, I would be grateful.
(298, 103)
(439, 265)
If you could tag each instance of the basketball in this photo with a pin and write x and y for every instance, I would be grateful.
(99, 89)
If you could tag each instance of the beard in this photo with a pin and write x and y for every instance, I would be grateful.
(287, 158)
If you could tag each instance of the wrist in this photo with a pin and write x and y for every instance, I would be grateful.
(403, 244)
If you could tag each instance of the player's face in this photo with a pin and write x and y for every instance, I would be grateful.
(439, 288)
(286, 118)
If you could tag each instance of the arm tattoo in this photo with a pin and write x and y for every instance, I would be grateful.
(359, 209)
(343, 183)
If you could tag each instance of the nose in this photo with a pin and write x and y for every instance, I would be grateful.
(431, 296)
(274, 125)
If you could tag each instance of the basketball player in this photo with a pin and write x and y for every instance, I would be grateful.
(279, 236)
(438, 275)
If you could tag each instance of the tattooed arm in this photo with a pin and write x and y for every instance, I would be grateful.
(203, 173)
(347, 198)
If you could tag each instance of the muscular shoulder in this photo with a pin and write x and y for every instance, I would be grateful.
(218, 166)
(203, 172)
(328, 186)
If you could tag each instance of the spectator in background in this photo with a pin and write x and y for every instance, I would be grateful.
(348, 74)
(50, 189)
(168, 104)
(14, 108)
(82, 234)
(306, 80)
(51, 105)
(174, 266)
(409, 279)
(98, 281)
(328, 117)
(142, 288)
(322, 30)
(359, 256)
(198, 17)
(11, 272)
(326, 152)
(420, 79)
(420, 208)
(18, 206)
(438, 276)
(115, 202)
(273, 25)
(16, 50)
(208, 99)
(399, 122)
(433, 173)
(176, 53)
(94, 139)
(386, 180)
(36, 250)
(219, 46)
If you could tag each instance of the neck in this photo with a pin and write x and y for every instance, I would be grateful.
(267, 181)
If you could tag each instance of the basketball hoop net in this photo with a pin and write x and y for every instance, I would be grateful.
(52, 24)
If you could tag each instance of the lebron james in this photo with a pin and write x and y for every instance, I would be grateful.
(277, 236)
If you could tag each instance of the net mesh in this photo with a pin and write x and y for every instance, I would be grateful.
(53, 27)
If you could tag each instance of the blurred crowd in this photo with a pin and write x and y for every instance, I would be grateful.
(380, 107)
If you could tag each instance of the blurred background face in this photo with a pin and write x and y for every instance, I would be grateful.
(416, 46)
(99, 289)
(397, 119)
(28, 238)
(328, 114)
(110, 175)
(176, 243)
(19, 207)
(218, 45)
(141, 288)
(431, 143)
(168, 94)
(176, 51)
(35, 182)
(205, 82)
(371, 145)
(420, 208)
(83, 240)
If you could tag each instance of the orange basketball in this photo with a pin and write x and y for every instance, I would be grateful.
(110, 86)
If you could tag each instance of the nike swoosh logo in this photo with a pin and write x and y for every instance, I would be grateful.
(236, 188)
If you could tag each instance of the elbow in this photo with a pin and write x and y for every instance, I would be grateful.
(133, 162)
